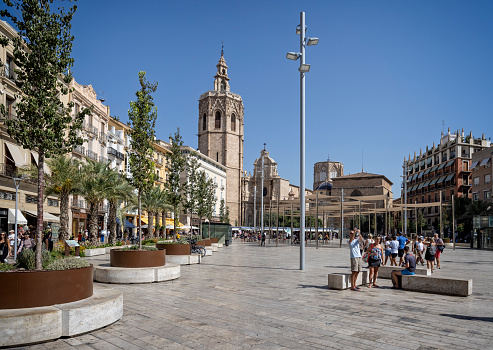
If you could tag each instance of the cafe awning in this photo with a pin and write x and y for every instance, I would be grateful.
(128, 224)
(47, 217)
(15, 151)
(21, 220)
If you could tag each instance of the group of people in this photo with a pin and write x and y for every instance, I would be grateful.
(377, 252)
(7, 243)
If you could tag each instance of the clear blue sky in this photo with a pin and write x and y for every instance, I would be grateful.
(383, 76)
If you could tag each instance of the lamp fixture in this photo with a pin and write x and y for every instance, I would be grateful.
(304, 68)
(298, 31)
(311, 41)
(293, 55)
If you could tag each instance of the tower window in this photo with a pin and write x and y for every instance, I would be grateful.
(223, 86)
(217, 124)
(217, 157)
(204, 122)
(233, 122)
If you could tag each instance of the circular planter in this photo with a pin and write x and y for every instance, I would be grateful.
(25, 289)
(174, 249)
(137, 258)
(214, 240)
(200, 243)
(446, 240)
(207, 242)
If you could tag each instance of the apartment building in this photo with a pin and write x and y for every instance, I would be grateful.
(482, 173)
(443, 169)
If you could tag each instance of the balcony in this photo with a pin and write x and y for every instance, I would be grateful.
(113, 152)
(80, 150)
(115, 135)
(92, 155)
(159, 161)
(78, 203)
(103, 137)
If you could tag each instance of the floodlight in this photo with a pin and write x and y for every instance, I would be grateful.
(304, 68)
(312, 41)
(292, 55)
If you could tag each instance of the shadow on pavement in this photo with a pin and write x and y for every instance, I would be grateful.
(469, 318)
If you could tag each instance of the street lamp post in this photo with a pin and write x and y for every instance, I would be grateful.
(304, 68)
(17, 182)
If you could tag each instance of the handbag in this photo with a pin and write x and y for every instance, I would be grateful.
(441, 248)
(365, 257)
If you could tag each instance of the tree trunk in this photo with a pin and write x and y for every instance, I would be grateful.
(150, 224)
(63, 232)
(112, 222)
(39, 224)
(93, 224)
(174, 224)
(140, 222)
(163, 219)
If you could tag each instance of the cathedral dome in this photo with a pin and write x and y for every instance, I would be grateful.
(324, 186)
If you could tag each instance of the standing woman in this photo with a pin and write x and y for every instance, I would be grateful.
(439, 249)
(374, 261)
(4, 247)
(430, 254)
(387, 250)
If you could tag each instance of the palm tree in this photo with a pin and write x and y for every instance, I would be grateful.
(96, 182)
(478, 207)
(62, 182)
(120, 191)
(153, 201)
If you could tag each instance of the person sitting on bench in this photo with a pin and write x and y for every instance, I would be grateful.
(410, 269)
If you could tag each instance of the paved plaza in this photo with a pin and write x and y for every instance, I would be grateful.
(251, 297)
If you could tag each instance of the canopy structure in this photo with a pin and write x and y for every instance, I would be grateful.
(16, 154)
(128, 224)
(21, 220)
(47, 217)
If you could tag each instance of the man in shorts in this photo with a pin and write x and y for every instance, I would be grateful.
(354, 253)
(403, 241)
(410, 269)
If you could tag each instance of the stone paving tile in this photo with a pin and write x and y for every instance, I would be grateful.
(251, 297)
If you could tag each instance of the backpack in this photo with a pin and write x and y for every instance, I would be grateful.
(431, 250)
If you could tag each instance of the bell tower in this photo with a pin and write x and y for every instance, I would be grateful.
(220, 134)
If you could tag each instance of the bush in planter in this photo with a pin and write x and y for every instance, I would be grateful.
(6, 267)
(136, 247)
(26, 259)
(149, 241)
(66, 264)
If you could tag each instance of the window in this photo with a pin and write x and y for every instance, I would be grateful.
(31, 199)
(8, 196)
(10, 107)
(217, 124)
(465, 165)
(436, 197)
(487, 178)
(9, 67)
(233, 122)
(53, 202)
(223, 86)
(77, 108)
(204, 122)
(476, 181)
(451, 193)
(475, 196)
(217, 156)
(487, 195)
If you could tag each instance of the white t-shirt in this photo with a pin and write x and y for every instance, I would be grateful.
(354, 248)
(394, 247)
(387, 245)
(421, 246)
(12, 239)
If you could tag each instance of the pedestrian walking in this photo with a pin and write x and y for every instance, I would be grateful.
(4, 247)
(387, 250)
(403, 241)
(394, 250)
(430, 255)
(420, 249)
(263, 239)
(440, 247)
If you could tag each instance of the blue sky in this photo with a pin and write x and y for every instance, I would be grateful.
(383, 76)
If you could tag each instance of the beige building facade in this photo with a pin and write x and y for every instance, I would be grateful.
(221, 134)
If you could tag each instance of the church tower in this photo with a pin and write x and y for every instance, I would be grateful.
(220, 133)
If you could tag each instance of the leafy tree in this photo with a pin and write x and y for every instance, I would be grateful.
(142, 118)
(43, 123)
(223, 212)
(421, 221)
(175, 166)
(206, 198)
(191, 186)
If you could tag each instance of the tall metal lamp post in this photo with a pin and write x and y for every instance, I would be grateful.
(17, 182)
(304, 68)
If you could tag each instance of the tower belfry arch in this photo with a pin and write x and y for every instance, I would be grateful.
(220, 133)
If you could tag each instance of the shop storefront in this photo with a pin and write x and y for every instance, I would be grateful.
(483, 232)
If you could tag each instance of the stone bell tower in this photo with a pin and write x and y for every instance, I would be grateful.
(220, 134)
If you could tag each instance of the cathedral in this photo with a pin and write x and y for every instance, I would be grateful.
(220, 134)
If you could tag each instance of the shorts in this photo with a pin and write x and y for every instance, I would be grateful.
(400, 253)
(393, 255)
(437, 254)
(387, 252)
(356, 264)
(374, 262)
(407, 272)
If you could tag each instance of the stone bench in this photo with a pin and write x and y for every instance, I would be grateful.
(108, 274)
(38, 324)
(385, 271)
(342, 281)
(183, 259)
(449, 286)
